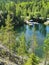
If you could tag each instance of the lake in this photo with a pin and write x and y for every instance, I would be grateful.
(35, 33)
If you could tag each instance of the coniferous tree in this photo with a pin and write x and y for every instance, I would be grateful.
(22, 46)
(46, 49)
(9, 37)
(32, 60)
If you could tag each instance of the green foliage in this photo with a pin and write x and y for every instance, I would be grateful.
(46, 45)
(22, 46)
(15, 14)
(8, 37)
(2, 30)
(35, 8)
(9, 26)
(11, 7)
(32, 60)
(18, 12)
(46, 50)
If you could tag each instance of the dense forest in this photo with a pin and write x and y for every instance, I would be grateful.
(14, 13)
(22, 11)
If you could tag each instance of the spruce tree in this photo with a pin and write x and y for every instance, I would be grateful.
(9, 34)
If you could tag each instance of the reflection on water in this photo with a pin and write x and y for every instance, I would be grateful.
(42, 29)
(39, 31)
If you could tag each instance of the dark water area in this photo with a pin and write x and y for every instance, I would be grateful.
(35, 33)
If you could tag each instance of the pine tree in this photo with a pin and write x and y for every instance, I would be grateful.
(32, 60)
(22, 46)
(46, 49)
(9, 34)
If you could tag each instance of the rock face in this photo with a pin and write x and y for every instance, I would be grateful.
(6, 54)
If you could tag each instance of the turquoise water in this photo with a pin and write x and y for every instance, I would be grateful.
(35, 33)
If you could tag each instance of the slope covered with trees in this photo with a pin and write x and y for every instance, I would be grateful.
(13, 13)
(20, 11)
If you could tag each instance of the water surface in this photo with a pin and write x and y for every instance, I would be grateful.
(34, 33)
